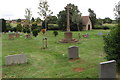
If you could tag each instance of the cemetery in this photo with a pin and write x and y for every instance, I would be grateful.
(73, 49)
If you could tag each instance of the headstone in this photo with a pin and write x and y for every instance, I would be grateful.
(11, 36)
(107, 69)
(73, 52)
(44, 43)
(17, 35)
(28, 36)
(15, 59)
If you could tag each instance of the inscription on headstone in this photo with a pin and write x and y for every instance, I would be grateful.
(108, 69)
(15, 59)
(73, 52)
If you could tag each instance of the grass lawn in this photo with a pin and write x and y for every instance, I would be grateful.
(53, 61)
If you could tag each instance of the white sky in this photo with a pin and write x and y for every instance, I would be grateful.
(14, 9)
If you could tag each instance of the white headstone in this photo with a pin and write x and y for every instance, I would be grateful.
(15, 59)
(107, 69)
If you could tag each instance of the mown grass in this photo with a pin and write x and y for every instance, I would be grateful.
(53, 61)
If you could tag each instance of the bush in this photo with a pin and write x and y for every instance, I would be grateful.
(98, 27)
(112, 45)
(55, 33)
(105, 27)
(35, 32)
(19, 27)
(53, 27)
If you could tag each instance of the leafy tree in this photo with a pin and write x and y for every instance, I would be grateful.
(34, 26)
(112, 41)
(44, 10)
(38, 20)
(52, 19)
(76, 18)
(92, 17)
(74, 15)
(19, 27)
(19, 20)
(32, 20)
(117, 12)
(107, 20)
(28, 14)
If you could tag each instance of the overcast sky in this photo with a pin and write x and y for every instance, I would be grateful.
(14, 9)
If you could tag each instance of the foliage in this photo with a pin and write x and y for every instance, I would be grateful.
(112, 44)
(55, 33)
(74, 20)
(53, 27)
(38, 20)
(28, 14)
(3, 23)
(107, 20)
(117, 12)
(19, 20)
(19, 27)
(32, 20)
(44, 10)
(35, 32)
(52, 19)
(8, 27)
(92, 17)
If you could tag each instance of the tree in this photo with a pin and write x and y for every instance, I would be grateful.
(117, 12)
(44, 10)
(75, 17)
(38, 20)
(19, 27)
(107, 20)
(19, 20)
(52, 19)
(92, 17)
(28, 14)
(112, 41)
(32, 20)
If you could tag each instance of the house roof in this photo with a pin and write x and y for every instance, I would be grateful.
(85, 19)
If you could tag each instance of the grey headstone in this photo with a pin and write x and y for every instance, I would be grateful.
(73, 52)
(108, 69)
(15, 59)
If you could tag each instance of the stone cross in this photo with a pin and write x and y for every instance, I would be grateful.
(68, 21)
(107, 70)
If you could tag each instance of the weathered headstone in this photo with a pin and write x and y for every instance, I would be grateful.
(17, 35)
(73, 52)
(44, 43)
(28, 36)
(107, 69)
(15, 59)
(11, 36)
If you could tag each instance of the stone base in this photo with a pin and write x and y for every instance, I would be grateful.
(68, 38)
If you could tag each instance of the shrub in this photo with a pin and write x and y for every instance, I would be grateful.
(112, 45)
(53, 27)
(35, 32)
(19, 27)
(55, 33)
(105, 27)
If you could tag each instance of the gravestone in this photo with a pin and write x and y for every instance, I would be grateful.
(17, 35)
(11, 36)
(107, 69)
(28, 36)
(73, 52)
(15, 59)
(44, 43)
